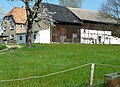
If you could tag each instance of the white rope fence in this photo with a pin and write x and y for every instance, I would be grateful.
(35, 77)
(64, 71)
(92, 71)
(107, 65)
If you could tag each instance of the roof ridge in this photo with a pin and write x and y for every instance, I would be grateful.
(12, 10)
(19, 14)
(90, 15)
(82, 9)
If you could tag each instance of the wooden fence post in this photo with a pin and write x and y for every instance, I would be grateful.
(91, 75)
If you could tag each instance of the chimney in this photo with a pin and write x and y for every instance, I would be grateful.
(23, 7)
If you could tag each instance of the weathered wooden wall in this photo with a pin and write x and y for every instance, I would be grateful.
(66, 33)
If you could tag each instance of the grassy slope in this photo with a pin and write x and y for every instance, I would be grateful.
(48, 58)
(2, 47)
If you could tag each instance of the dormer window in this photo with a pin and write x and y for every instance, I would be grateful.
(7, 18)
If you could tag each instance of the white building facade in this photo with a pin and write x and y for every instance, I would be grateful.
(89, 36)
(43, 36)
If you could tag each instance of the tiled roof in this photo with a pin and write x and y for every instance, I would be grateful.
(90, 15)
(19, 15)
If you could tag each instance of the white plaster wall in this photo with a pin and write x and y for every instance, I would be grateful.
(43, 36)
(114, 40)
(18, 41)
(1, 31)
(94, 34)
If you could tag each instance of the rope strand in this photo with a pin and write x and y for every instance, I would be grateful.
(35, 77)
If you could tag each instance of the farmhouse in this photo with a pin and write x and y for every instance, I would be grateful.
(13, 24)
(72, 25)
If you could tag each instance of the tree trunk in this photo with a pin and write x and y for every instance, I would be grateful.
(29, 14)
(29, 34)
(29, 26)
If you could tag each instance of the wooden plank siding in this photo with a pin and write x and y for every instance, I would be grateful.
(99, 26)
(66, 32)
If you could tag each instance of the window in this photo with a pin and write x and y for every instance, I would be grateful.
(20, 37)
(99, 39)
(7, 18)
(21, 26)
(4, 28)
(4, 39)
(34, 36)
(12, 27)
(12, 36)
(74, 35)
(1, 31)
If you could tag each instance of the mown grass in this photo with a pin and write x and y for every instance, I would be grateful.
(43, 59)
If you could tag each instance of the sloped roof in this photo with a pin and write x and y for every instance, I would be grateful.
(63, 14)
(90, 15)
(19, 15)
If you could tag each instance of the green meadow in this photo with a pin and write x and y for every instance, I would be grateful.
(43, 59)
(2, 47)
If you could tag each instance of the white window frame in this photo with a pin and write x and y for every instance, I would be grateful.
(4, 38)
(12, 36)
(11, 27)
(4, 28)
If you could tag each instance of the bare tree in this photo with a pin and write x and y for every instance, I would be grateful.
(111, 9)
(2, 12)
(71, 3)
(30, 19)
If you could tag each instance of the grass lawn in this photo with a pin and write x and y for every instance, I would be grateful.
(2, 47)
(44, 59)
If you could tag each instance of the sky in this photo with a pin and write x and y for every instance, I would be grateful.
(87, 4)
